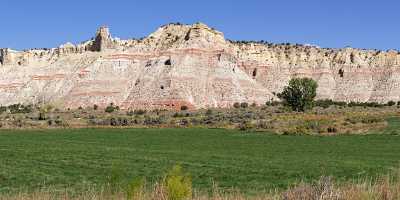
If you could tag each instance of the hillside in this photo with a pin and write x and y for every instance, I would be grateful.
(192, 65)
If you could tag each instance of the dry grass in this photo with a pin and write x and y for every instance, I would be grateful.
(386, 188)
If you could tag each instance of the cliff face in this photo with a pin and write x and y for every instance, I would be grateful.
(190, 65)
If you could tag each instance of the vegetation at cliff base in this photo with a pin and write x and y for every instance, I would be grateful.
(299, 94)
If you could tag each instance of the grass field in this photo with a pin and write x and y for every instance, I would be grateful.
(248, 161)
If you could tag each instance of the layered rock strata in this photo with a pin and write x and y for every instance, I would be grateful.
(192, 65)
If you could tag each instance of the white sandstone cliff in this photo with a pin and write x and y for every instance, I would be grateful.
(190, 65)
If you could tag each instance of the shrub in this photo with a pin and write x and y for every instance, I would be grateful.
(184, 107)
(59, 121)
(3, 109)
(244, 126)
(111, 108)
(244, 105)
(130, 113)
(209, 112)
(236, 105)
(325, 103)
(140, 112)
(178, 184)
(365, 104)
(391, 103)
(135, 189)
(276, 103)
(184, 122)
(18, 108)
(178, 114)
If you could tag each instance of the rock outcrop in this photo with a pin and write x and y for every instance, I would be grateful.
(190, 65)
(102, 40)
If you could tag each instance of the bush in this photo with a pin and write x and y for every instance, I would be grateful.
(130, 113)
(59, 121)
(236, 105)
(209, 112)
(18, 108)
(244, 105)
(299, 94)
(272, 103)
(391, 103)
(178, 114)
(3, 109)
(111, 108)
(135, 189)
(184, 107)
(178, 184)
(244, 126)
(325, 103)
(139, 112)
(365, 104)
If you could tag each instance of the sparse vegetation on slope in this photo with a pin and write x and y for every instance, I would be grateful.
(327, 118)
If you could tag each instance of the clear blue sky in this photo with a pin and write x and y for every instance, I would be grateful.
(327, 23)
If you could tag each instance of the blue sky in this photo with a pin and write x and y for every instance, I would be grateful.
(368, 24)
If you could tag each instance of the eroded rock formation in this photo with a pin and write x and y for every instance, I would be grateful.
(190, 65)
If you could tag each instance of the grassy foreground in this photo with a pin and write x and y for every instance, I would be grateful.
(386, 188)
(250, 162)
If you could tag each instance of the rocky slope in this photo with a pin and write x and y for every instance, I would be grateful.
(190, 65)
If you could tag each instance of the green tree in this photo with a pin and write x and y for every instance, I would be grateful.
(299, 94)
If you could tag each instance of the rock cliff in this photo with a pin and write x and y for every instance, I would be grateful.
(192, 65)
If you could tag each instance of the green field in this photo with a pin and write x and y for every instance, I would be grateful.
(248, 161)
